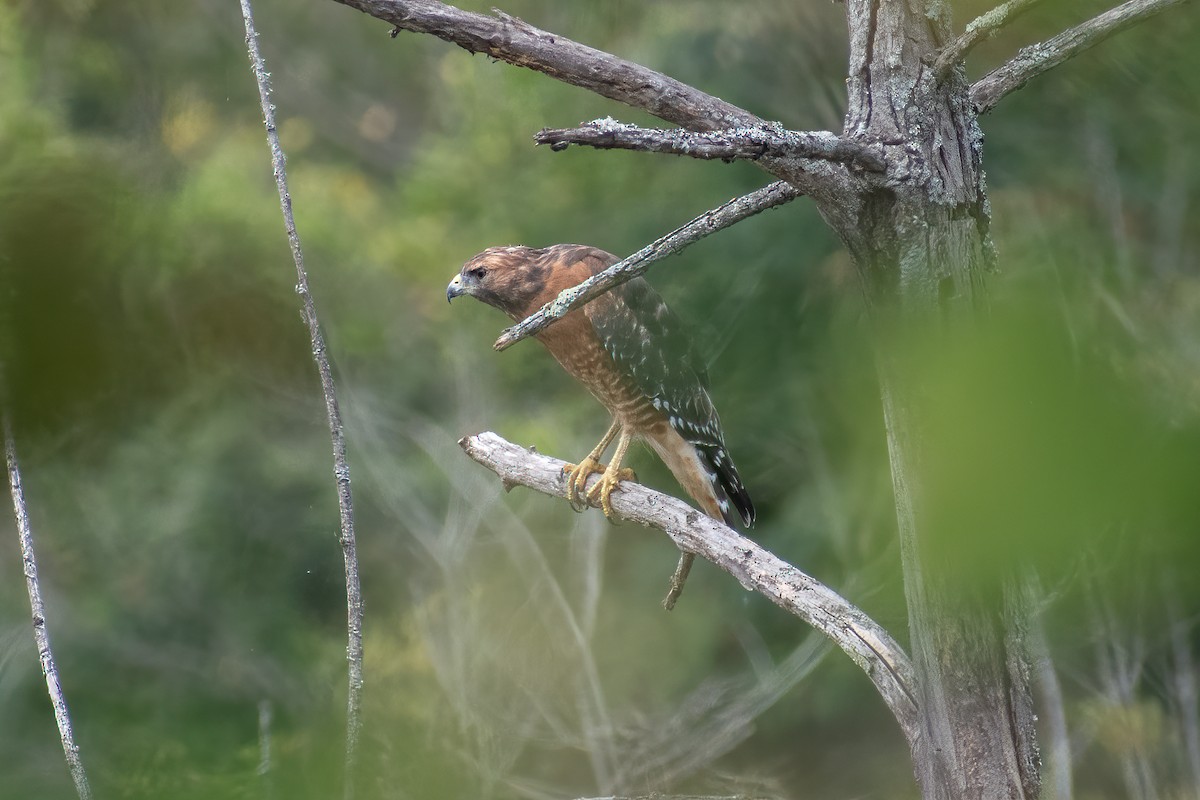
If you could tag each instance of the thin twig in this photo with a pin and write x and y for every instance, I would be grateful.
(264, 744)
(978, 29)
(712, 221)
(746, 142)
(41, 633)
(341, 469)
(1038, 58)
(860, 637)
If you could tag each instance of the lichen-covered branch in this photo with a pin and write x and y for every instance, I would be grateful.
(752, 143)
(41, 633)
(978, 29)
(712, 221)
(341, 467)
(864, 640)
(1038, 58)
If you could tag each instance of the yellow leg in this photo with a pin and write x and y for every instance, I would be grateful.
(612, 476)
(577, 475)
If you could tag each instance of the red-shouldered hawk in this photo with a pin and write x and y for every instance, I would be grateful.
(631, 353)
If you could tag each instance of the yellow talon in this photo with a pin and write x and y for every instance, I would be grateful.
(577, 477)
(605, 486)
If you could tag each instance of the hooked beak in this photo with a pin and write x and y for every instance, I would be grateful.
(456, 288)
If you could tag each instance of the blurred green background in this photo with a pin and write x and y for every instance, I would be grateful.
(177, 465)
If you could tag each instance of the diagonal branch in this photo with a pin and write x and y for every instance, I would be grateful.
(515, 41)
(1036, 59)
(41, 634)
(753, 143)
(978, 29)
(337, 435)
(870, 646)
(712, 221)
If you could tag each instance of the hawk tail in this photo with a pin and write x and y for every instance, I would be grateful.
(727, 485)
(708, 475)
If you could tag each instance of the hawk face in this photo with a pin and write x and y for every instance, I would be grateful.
(512, 279)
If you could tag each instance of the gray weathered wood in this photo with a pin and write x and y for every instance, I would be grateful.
(722, 216)
(860, 637)
(516, 42)
(1037, 58)
(753, 143)
(41, 631)
(333, 414)
(507, 38)
(978, 29)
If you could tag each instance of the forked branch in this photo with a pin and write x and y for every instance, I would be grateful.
(712, 221)
(1038, 58)
(769, 141)
(864, 640)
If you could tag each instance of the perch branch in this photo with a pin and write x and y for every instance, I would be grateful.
(41, 633)
(712, 221)
(1036, 59)
(864, 640)
(752, 143)
(978, 29)
(341, 468)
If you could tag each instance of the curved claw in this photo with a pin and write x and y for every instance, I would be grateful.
(605, 486)
(577, 477)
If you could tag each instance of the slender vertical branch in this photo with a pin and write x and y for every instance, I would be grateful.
(1184, 682)
(341, 469)
(1052, 710)
(264, 748)
(41, 634)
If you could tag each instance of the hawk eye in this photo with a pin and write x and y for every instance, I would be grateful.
(477, 273)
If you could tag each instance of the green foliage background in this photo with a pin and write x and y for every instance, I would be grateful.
(176, 458)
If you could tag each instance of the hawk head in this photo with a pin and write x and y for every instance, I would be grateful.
(512, 279)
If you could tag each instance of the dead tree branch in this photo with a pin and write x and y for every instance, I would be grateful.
(864, 640)
(751, 143)
(978, 29)
(712, 221)
(506, 38)
(41, 633)
(341, 468)
(1038, 58)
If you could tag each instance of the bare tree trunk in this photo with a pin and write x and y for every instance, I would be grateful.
(921, 245)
